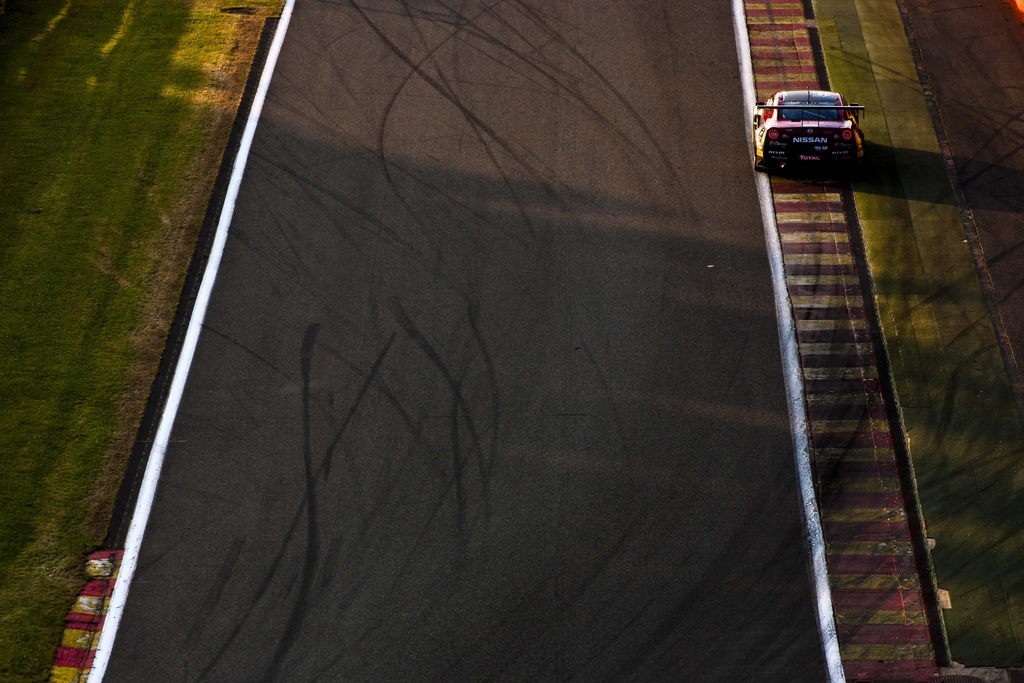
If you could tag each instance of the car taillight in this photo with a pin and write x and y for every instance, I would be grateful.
(847, 134)
(773, 134)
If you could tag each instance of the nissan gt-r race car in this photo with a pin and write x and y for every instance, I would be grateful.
(811, 126)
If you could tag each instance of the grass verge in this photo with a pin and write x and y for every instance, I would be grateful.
(114, 116)
(955, 398)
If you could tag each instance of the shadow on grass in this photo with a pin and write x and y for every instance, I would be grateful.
(992, 187)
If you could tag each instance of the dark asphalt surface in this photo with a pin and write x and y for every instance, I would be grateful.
(490, 383)
(974, 57)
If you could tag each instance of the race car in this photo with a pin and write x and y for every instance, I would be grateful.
(806, 126)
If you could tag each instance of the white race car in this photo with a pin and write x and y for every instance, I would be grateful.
(806, 126)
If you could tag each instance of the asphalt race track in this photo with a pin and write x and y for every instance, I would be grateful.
(490, 386)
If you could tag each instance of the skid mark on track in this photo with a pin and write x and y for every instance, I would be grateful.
(461, 412)
(544, 60)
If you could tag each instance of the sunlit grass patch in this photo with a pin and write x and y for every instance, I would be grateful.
(114, 115)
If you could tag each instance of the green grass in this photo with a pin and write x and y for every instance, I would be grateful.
(963, 428)
(113, 117)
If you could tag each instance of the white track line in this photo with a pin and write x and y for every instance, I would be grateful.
(147, 490)
(791, 365)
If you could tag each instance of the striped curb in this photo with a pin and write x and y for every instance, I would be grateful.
(84, 623)
(880, 615)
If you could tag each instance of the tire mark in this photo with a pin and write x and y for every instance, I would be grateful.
(325, 468)
(382, 134)
(563, 604)
(313, 191)
(400, 575)
(458, 463)
(466, 111)
(640, 121)
(307, 509)
(444, 85)
(552, 74)
(414, 333)
(517, 202)
(216, 590)
(291, 632)
(492, 379)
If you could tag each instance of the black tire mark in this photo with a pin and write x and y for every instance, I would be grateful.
(564, 605)
(387, 165)
(291, 631)
(325, 467)
(313, 191)
(310, 568)
(466, 111)
(443, 85)
(458, 463)
(414, 333)
(307, 509)
(627, 105)
(297, 266)
(473, 29)
(382, 134)
(413, 426)
(481, 138)
(492, 379)
(413, 552)
(548, 71)
(560, 81)
(215, 592)
(266, 362)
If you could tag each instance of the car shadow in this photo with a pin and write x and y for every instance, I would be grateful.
(922, 176)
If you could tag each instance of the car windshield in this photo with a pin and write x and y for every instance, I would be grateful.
(809, 114)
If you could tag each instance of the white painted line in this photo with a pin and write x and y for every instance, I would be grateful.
(791, 365)
(147, 491)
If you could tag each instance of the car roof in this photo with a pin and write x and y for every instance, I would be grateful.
(808, 97)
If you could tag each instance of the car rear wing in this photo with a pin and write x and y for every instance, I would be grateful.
(855, 108)
(790, 105)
